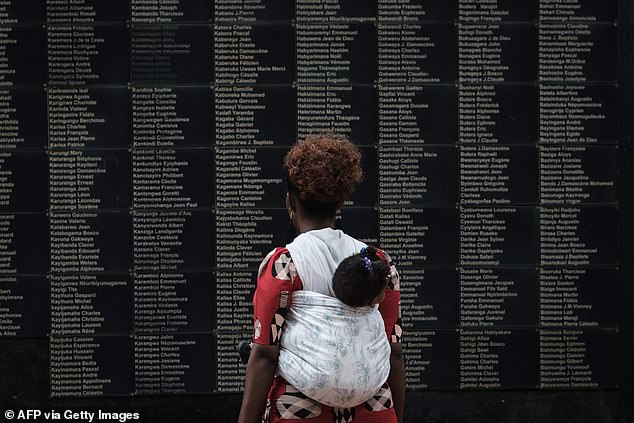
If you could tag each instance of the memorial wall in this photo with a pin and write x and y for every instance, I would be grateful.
(141, 184)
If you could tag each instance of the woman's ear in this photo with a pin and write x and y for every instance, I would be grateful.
(290, 207)
(290, 202)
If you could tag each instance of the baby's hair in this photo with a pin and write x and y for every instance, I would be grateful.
(360, 278)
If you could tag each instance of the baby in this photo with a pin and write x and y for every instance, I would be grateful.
(360, 280)
(335, 350)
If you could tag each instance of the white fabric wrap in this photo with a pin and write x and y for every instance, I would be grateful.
(316, 255)
(333, 353)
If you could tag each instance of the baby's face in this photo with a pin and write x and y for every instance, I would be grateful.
(379, 298)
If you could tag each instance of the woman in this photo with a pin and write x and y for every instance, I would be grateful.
(322, 173)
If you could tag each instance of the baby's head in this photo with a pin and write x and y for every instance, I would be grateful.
(361, 279)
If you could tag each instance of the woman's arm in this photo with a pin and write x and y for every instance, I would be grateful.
(396, 379)
(276, 279)
(260, 372)
(390, 310)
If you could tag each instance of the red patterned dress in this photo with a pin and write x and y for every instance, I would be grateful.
(277, 279)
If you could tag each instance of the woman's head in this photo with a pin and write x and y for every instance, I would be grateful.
(361, 279)
(322, 172)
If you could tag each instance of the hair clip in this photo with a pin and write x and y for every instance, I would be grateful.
(368, 264)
